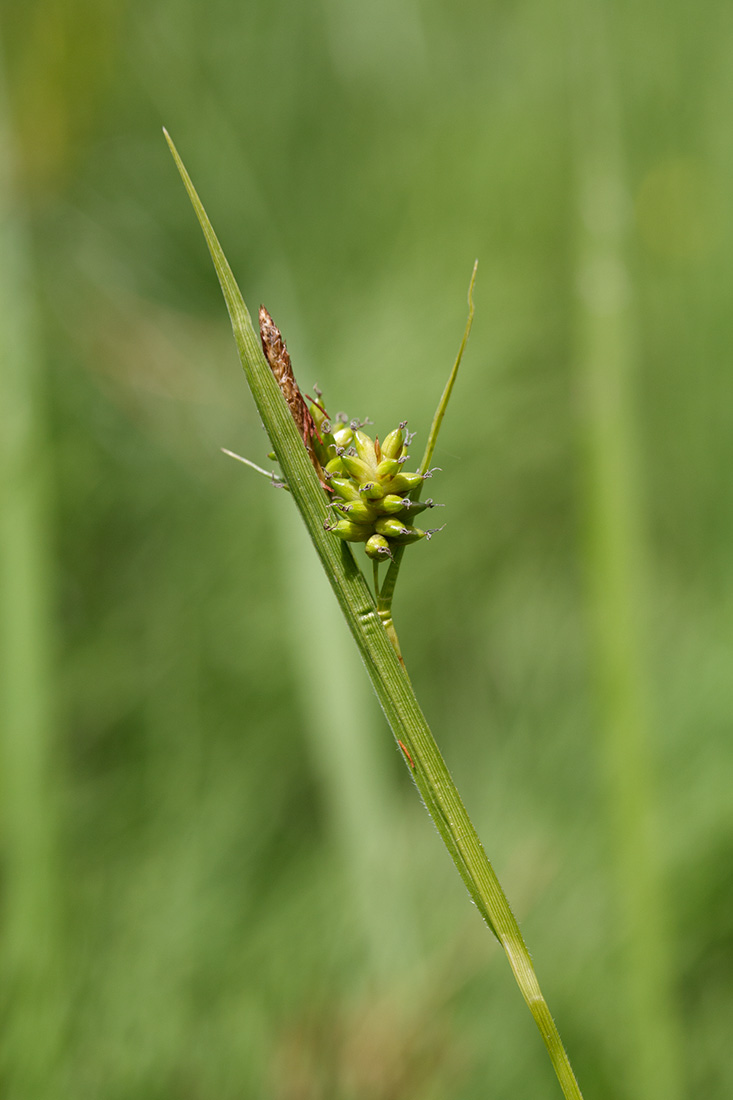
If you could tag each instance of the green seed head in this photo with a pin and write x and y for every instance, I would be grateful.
(369, 490)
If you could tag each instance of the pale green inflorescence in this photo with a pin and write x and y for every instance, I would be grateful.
(368, 485)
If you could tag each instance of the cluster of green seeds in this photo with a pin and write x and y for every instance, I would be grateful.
(369, 489)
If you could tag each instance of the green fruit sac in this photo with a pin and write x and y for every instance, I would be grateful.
(365, 449)
(344, 436)
(394, 528)
(318, 415)
(371, 490)
(394, 443)
(323, 448)
(378, 548)
(345, 488)
(357, 468)
(392, 504)
(387, 468)
(358, 511)
(349, 531)
(336, 467)
(414, 507)
(395, 505)
(403, 483)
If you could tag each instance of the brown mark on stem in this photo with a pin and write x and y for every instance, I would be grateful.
(409, 759)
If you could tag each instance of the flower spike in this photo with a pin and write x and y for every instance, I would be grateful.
(371, 492)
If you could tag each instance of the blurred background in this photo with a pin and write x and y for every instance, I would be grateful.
(217, 879)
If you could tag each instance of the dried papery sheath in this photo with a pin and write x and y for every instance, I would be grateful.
(277, 356)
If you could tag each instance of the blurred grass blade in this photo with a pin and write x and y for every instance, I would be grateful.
(30, 947)
(393, 689)
(616, 568)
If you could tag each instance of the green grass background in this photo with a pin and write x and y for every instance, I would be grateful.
(217, 878)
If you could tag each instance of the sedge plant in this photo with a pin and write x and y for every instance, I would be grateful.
(350, 488)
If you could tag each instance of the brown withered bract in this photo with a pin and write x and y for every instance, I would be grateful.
(277, 356)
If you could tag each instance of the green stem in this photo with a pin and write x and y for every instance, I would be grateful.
(384, 610)
(390, 682)
(385, 616)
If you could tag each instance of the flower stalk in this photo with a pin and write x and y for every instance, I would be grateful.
(369, 619)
